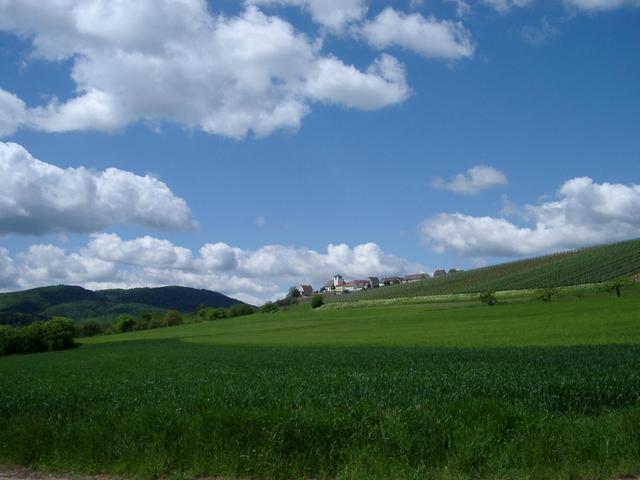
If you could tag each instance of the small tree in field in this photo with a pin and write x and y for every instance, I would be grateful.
(172, 318)
(269, 307)
(125, 323)
(546, 294)
(294, 293)
(317, 301)
(489, 298)
(617, 284)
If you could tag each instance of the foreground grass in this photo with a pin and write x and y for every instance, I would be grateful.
(372, 393)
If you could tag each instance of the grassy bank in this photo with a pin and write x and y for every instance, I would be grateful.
(514, 391)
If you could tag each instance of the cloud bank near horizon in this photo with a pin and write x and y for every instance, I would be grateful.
(255, 276)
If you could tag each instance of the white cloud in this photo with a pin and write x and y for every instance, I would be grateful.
(539, 34)
(584, 213)
(174, 61)
(13, 113)
(586, 5)
(37, 198)
(382, 84)
(261, 221)
(477, 179)
(334, 15)
(506, 5)
(108, 261)
(599, 5)
(428, 37)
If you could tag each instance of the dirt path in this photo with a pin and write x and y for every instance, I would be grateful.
(19, 473)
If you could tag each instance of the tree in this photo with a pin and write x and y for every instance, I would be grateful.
(317, 301)
(617, 284)
(546, 294)
(294, 292)
(60, 332)
(90, 328)
(125, 323)
(172, 318)
(489, 297)
(269, 307)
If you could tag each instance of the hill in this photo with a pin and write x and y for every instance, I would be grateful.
(76, 302)
(578, 267)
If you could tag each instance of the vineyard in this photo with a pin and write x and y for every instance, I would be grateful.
(579, 267)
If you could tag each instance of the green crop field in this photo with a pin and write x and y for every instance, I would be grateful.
(581, 267)
(521, 390)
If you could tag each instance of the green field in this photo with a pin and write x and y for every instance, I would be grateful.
(580, 267)
(522, 390)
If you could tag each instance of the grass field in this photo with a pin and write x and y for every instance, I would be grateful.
(453, 390)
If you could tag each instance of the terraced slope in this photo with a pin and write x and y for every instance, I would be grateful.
(590, 265)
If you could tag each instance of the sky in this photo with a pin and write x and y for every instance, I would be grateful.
(248, 146)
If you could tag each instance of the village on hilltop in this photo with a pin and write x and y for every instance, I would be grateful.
(338, 285)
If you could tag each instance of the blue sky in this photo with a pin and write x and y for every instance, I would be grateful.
(359, 108)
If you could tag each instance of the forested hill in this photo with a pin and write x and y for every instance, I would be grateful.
(76, 302)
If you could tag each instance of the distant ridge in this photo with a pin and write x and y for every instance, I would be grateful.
(576, 267)
(77, 302)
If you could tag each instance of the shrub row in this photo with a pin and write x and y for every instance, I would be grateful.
(237, 310)
(55, 334)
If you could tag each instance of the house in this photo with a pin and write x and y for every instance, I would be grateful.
(328, 287)
(356, 285)
(391, 280)
(414, 278)
(440, 273)
(305, 290)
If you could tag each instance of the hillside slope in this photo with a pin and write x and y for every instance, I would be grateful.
(76, 302)
(590, 265)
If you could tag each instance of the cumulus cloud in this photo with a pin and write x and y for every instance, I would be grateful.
(506, 5)
(334, 15)
(108, 261)
(599, 5)
(175, 61)
(584, 213)
(38, 198)
(428, 37)
(477, 179)
(13, 113)
(539, 34)
(585, 5)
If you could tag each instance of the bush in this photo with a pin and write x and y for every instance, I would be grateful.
(35, 337)
(489, 298)
(59, 333)
(125, 323)
(240, 309)
(217, 313)
(8, 340)
(269, 307)
(89, 328)
(172, 318)
(56, 334)
(317, 301)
